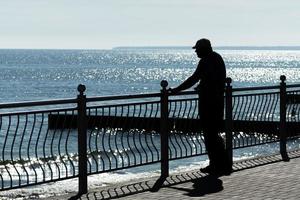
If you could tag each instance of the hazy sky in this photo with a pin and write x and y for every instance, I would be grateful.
(99, 24)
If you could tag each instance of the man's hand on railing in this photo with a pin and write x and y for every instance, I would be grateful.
(173, 91)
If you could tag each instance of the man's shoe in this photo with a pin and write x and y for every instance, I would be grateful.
(207, 170)
(224, 171)
(216, 171)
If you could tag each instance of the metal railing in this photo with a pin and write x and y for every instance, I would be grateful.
(30, 152)
(54, 140)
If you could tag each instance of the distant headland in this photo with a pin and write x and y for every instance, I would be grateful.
(216, 47)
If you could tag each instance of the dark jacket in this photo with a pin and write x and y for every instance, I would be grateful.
(211, 73)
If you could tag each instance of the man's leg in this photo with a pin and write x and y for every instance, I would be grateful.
(217, 155)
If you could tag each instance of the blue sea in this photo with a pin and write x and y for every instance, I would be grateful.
(46, 74)
(28, 75)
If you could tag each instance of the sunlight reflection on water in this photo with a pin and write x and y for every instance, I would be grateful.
(43, 74)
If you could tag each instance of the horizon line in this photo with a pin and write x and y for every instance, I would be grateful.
(222, 47)
(229, 47)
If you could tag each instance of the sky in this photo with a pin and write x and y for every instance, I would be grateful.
(104, 24)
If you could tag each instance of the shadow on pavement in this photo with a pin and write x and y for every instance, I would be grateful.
(135, 188)
(202, 186)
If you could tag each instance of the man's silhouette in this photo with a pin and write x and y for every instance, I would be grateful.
(211, 73)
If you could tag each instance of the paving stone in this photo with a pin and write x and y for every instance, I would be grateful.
(260, 178)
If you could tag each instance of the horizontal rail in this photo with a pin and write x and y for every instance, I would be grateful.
(137, 96)
(249, 94)
(255, 88)
(37, 103)
(123, 104)
(123, 97)
(292, 85)
(38, 111)
(189, 92)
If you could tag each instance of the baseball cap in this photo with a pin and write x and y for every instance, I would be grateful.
(202, 43)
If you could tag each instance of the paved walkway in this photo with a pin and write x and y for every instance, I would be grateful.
(260, 178)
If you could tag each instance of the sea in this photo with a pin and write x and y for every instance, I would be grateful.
(38, 74)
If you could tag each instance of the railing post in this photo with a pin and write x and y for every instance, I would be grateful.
(282, 126)
(228, 119)
(82, 141)
(164, 130)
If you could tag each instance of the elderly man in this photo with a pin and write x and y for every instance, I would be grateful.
(211, 73)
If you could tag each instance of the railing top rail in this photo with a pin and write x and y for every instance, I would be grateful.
(122, 104)
(263, 87)
(255, 88)
(121, 97)
(38, 111)
(293, 86)
(136, 96)
(190, 92)
(37, 103)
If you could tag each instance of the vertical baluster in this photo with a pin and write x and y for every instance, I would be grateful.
(164, 137)
(164, 130)
(282, 126)
(228, 119)
(82, 141)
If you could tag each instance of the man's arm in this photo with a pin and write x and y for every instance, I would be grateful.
(192, 80)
